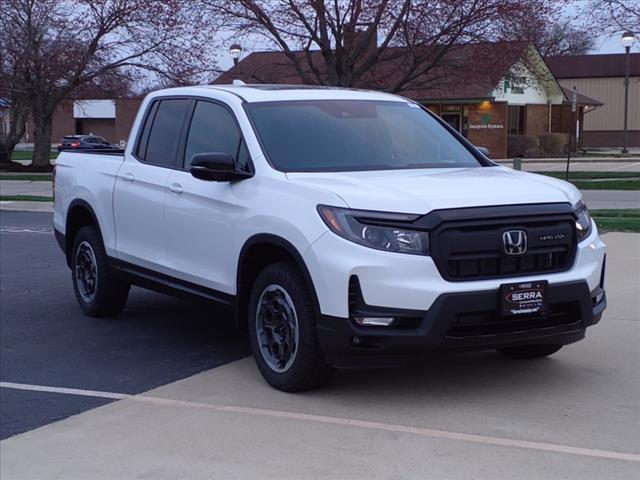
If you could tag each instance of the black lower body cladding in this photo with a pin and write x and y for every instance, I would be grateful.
(469, 320)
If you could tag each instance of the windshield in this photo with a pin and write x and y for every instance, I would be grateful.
(347, 135)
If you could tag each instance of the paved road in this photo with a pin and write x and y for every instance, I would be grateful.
(45, 339)
(575, 415)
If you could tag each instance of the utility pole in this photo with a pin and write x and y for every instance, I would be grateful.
(572, 127)
(627, 41)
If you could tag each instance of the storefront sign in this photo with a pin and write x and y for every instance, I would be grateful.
(485, 125)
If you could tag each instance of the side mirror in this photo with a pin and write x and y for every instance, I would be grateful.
(483, 150)
(215, 166)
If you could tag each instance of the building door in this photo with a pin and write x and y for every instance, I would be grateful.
(452, 119)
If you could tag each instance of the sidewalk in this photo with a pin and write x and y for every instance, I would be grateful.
(597, 199)
(577, 164)
(21, 206)
(25, 187)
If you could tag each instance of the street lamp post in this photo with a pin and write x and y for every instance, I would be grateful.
(235, 50)
(627, 41)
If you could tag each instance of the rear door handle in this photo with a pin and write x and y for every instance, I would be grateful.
(129, 177)
(175, 188)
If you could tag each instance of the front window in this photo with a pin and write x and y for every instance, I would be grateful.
(349, 135)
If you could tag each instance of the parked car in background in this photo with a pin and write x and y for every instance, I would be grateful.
(85, 142)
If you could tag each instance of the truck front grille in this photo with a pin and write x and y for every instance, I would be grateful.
(474, 249)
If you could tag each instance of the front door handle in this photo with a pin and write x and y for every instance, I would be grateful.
(129, 177)
(175, 188)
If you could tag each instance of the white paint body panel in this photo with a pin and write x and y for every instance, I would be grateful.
(197, 235)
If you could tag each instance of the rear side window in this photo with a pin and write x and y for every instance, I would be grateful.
(212, 129)
(161, 134)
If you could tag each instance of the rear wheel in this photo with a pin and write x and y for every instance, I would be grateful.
(530, 351)
(282, 330)
(97, 290)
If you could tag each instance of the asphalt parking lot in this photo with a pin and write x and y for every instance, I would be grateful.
(46, 340)
(206, 413)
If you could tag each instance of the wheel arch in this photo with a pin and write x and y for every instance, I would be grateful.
(258, 252)
(79, 214)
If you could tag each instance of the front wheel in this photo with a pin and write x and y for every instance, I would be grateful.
(282, 330)
(530, 351)
(98, 292)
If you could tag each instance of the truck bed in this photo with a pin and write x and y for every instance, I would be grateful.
(99, 151)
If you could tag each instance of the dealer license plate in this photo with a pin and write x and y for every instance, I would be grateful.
(524, 298)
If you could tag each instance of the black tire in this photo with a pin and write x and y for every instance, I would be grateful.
(109, 295)
(530, 351)
(307, 369)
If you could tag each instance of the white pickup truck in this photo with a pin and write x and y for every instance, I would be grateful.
(343, 228)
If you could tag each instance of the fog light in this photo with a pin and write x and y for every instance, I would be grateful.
(374, 321)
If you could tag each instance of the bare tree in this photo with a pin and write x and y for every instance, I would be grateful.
(615, 16)
(55, 47)
(563, 38)
(341, 42)
(18, 113)
(552, 38)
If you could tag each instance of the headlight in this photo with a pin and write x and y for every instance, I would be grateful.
(583, 221)
(376, 229)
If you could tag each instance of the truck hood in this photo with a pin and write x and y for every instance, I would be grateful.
(420, 191)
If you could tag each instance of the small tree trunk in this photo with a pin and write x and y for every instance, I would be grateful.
(42, 146)
(7, 147)
(16, 132)
(5, 154)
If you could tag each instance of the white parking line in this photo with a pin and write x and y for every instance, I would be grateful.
(346, 422)
(9, 229)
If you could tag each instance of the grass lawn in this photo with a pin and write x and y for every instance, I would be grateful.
(27, 176)
(607, 185)
(622, 220)
(25, 198)
(27, 154)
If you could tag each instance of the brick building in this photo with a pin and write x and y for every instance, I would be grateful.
(111, 119)
(486, 91)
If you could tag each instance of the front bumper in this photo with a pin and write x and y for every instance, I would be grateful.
(396, 280)
(466, 320)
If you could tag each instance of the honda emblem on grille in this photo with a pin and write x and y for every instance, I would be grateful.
(514, 242)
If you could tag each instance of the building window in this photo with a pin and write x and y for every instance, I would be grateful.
(514, 83)
(516, 119)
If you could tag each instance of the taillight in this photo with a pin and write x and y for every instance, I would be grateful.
(75, 144)
(53, 183)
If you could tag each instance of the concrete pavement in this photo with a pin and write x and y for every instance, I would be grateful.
(577, 165)
(575, 415)
(20, 206)
(25, 187)
(596, 199)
